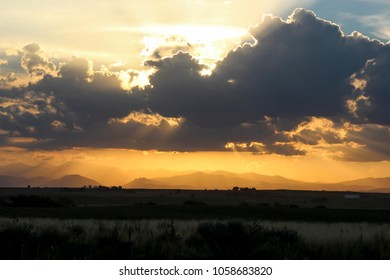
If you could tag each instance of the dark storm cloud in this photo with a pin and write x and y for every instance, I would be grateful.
(180, 91)
(28, 114)
(89, 101)
(298, 68)
(59, 107)
(376, 73)
(256, 98)
(164, 137)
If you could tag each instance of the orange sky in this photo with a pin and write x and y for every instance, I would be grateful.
(304, 168)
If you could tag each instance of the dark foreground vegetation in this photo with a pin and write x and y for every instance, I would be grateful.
(193, 210)
(206, 240)
(175, 224)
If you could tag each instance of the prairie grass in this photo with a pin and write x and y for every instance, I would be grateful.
(45, 238)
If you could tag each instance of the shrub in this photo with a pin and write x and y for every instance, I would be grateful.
(235, 240)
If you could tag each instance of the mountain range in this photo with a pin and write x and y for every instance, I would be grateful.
(106, 175)
(77, 175)
(226, 180)
(215, 180)
(68, 181)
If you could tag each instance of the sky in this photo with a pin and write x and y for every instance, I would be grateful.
(291, 88)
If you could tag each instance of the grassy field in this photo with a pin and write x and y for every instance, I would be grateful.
(188, 212)
(303, 199)
(174, 224)
(190, 239)
(178, 204)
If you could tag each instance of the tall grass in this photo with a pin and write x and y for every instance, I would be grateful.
(178, 239)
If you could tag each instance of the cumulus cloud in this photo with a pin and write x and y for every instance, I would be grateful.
(35, 62)
(89, 97)
(59, 106)
(301, 86)
(10, 69)
(299, 67)
(76, 69)
(8, 80)
(10, 61)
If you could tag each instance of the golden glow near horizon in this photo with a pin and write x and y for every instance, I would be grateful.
(307, 168)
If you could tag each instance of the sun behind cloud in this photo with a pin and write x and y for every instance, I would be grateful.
(208, 43)
(293, 89)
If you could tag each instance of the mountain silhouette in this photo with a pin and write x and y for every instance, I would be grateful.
(72, 181)
(78, 174)
(373, 182)
(227, 180)
(220, 180)
(107, 175)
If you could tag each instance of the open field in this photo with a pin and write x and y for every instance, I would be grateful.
(177, 224)
(190, 239)
(179, 204)
(198, 212)
(126, 197)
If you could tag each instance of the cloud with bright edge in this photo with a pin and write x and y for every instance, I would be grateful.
(300, 86)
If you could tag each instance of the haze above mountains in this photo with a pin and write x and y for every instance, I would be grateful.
(74, 174)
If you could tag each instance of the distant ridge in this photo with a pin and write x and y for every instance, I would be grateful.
(107, 175)
(227, 180)
(381, 190)
(77, 174)
(143, 183)
(72, 181)
(219, 180)
(373, 182)
(69, 181)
